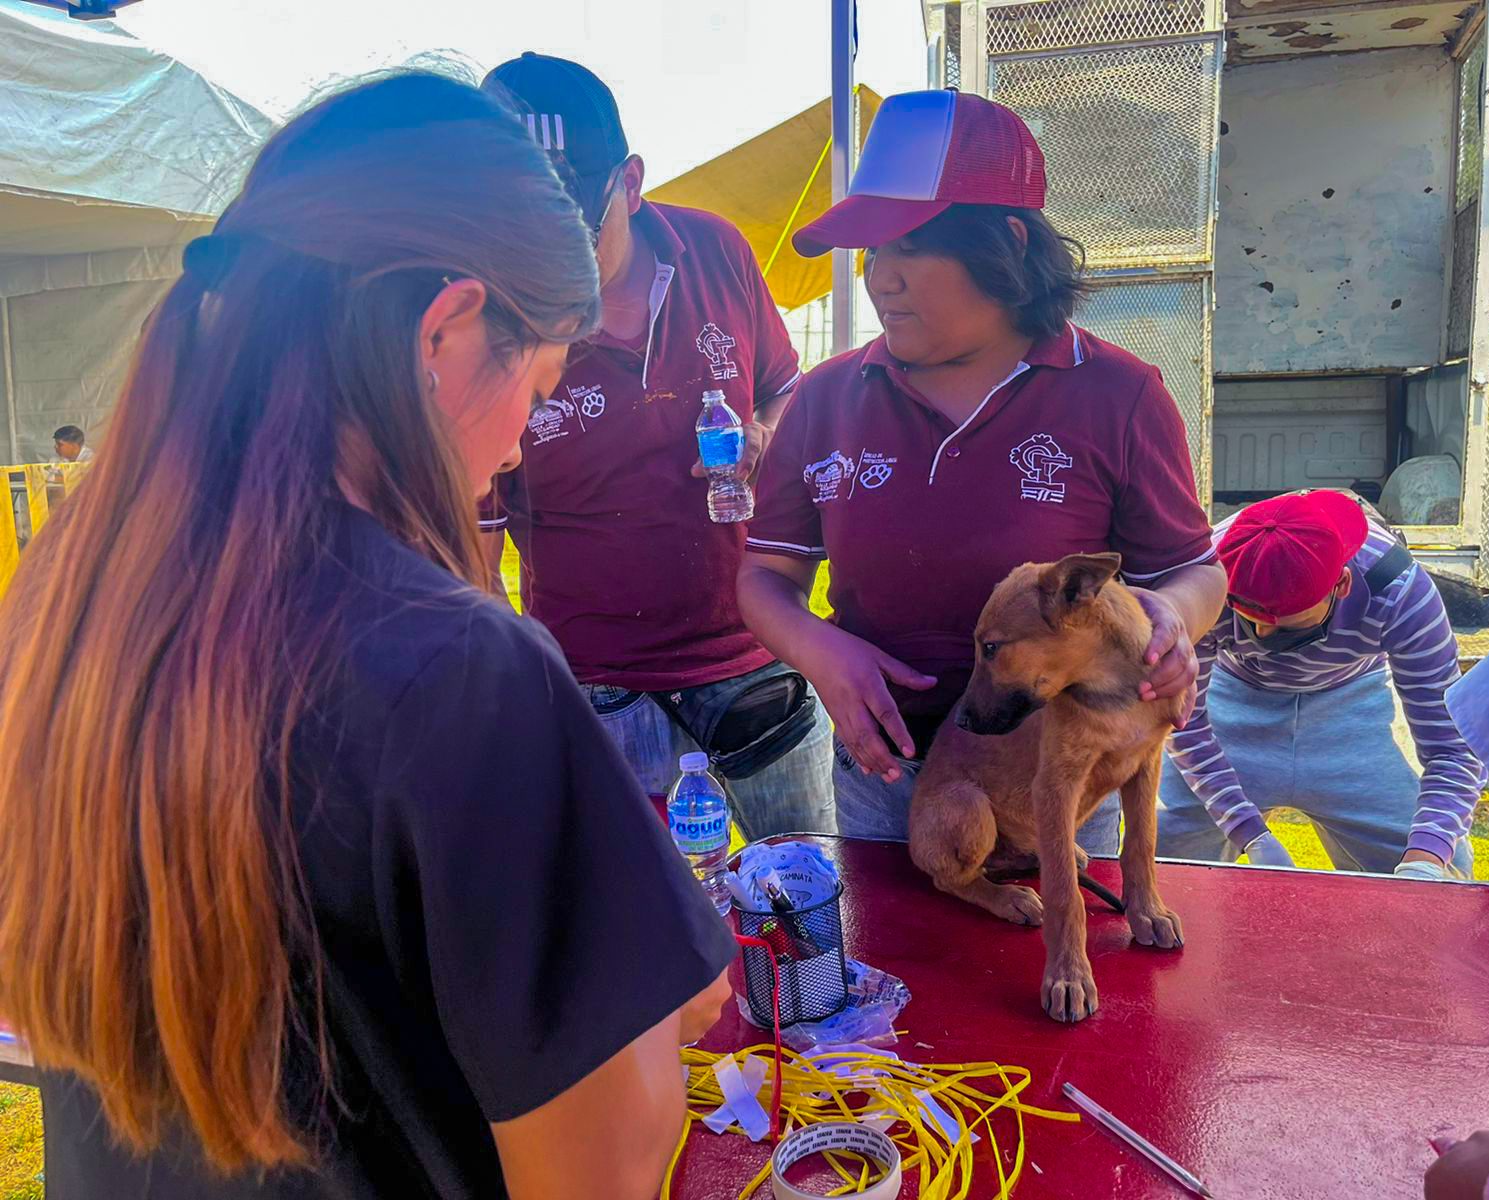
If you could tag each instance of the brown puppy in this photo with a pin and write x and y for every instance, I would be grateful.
(1059, 656)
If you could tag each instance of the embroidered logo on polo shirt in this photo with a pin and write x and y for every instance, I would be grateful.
(591, 401)
(827, 477)
(1038, 458)
(547, 421)
(874, 470)
(714, 344)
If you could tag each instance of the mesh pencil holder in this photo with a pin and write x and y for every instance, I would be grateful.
(809, 951)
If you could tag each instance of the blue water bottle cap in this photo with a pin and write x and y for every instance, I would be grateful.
(696, 761)
(713, 396)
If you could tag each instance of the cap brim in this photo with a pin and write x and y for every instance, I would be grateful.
(588, 190)
(859, 222)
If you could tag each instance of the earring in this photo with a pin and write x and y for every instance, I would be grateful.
(433, 381)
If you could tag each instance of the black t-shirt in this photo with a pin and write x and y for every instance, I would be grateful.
(499, 910)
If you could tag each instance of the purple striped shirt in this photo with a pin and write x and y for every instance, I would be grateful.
(1404, 629)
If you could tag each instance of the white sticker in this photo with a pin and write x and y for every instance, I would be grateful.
(741, 1105)
(943, 1120)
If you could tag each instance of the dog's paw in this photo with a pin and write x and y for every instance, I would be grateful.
(1020, 905)
(1155, 925)
(1082, 859)
(1069, 993)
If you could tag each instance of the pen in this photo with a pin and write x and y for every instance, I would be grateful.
(1135, 1140)
(781, 904)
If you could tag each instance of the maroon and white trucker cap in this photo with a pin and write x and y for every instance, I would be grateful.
(925, 152)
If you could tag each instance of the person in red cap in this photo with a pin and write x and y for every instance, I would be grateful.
(609, 509)
(1328, 614)
(980, 431)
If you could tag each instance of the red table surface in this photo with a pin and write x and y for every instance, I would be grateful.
(1313, 1032)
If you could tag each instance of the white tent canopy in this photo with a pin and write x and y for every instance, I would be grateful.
(112, 156)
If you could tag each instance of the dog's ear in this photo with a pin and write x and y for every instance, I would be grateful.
(1074, 581)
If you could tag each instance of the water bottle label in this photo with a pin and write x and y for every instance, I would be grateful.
(700, 835)
(721, 447)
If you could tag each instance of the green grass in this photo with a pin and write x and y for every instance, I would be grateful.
(20, 1143)
(511, 575)
(1295, 831)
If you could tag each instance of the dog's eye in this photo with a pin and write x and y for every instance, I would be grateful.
(989, 649)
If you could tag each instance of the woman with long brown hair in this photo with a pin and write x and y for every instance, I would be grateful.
(318, 877)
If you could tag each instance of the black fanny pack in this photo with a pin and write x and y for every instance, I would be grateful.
(745, 732)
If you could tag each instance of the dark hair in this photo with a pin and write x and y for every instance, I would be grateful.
(284, 360)
(69, 433)
(1039, 283)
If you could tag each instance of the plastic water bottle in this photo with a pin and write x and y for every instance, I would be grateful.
(698, 816)
(721, 445)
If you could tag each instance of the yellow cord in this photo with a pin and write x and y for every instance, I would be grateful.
(687, 1128)
(800, 200)
(868, 1086)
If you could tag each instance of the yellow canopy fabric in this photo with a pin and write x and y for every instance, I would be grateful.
(762, 187)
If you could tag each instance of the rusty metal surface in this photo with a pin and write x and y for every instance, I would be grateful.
(1264, 31)
(1243, 10)
(1335, 207)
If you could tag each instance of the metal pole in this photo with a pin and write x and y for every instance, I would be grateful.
(976, 77)
(843, 103)
(7, 379)
(1476, 441)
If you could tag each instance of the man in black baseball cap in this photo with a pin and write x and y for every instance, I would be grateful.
(609, 507)
(572, 114)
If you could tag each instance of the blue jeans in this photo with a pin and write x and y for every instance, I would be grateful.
(870, 808)
(1330, 755)
(792, 795)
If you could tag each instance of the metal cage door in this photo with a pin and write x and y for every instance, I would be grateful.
(1124, 97)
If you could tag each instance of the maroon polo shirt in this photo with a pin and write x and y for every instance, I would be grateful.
(619, 558)
(1081, 449)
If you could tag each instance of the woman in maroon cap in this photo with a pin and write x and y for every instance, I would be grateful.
(982, 430)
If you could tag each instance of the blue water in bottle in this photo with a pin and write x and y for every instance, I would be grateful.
(720, 446)
(698, 816)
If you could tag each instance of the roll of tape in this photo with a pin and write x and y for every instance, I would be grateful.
(836, 1135)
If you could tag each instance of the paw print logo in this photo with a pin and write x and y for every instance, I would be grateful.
(875, 476)
(591, 401)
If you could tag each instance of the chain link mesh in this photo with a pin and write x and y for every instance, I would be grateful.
(1072, 24)
(952, 64)
(1164, 322)
(1470, 126)
(1130, 135)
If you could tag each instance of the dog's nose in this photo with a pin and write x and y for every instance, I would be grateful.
(962, 720)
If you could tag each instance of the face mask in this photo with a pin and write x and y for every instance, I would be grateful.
(1279, 641)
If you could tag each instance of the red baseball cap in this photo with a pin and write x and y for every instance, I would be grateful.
(925, 152)
(1283, 556)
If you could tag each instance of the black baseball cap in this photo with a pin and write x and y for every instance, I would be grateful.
(573, 115)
